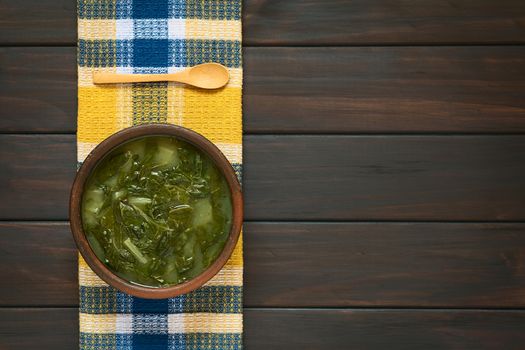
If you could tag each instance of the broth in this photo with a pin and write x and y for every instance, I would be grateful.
(157, 211)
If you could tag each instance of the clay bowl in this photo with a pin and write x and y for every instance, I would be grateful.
(106, 147)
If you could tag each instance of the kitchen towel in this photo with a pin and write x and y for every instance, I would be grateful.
(160, 36)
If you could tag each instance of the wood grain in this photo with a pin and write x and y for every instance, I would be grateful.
(312, 90)
(384, 264)
(398, 87)
(325, 22)
(383, 329)
(36, 173)
(313, 177)
(292, 329)
(313, 264)
(38, 90)
(385, 90)
(309, 22)
(38, 22)
(384, 178)
(43, 329)
(40, 262)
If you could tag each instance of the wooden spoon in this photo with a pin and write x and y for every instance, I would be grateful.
(204, 76)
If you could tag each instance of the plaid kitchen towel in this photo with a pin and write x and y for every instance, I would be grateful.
(158, 36)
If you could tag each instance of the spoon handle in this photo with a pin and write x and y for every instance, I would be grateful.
(112, 78)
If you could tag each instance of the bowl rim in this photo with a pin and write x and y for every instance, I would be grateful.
(103, 149)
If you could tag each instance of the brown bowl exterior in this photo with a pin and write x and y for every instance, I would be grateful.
(103, 149)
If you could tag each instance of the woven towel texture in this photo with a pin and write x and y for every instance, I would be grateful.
(159, 36)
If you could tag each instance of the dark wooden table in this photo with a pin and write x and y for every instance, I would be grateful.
(384, 174)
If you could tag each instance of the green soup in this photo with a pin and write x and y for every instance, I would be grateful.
(157, 211)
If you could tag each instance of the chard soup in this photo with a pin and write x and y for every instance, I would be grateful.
(157, 211)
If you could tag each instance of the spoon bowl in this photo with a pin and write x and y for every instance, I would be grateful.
(208, 76)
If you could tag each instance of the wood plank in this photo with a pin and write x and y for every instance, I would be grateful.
(32, 22)
(385, 90)
(307, 329)
(322, 22)
(384, 178)
(310, 22)
(383, 329)
(312, 90)
(38, 97)
(411, 178)
(313, 264)
(384, 264)
(38, 254)
(36, 173)
(53, 329)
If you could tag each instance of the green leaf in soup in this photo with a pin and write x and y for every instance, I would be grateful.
(97, 248)
(198, 164)
(128, 165)
(106, 217)
(187, 250)
(140, 202)
(110, 167)
(180, 210)
(213, 252)
(118, 195)
(135, 251)
(111, 182)
(198, 261)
